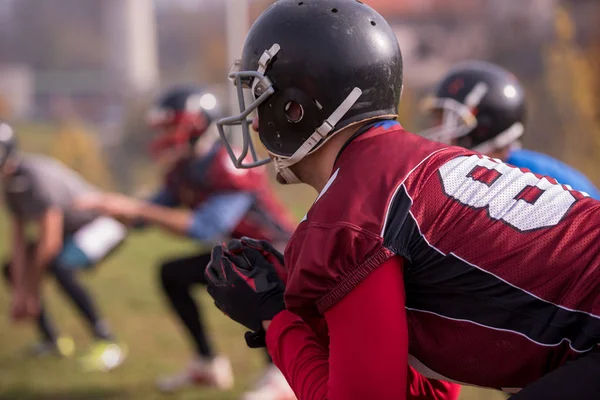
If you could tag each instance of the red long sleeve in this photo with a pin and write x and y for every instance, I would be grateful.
(421, 388)
(296, 351)
(367, 356)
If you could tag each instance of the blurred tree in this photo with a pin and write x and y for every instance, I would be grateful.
(77, 147)
(571, 76)
(130, 157)
(409, 114)
(594, 54)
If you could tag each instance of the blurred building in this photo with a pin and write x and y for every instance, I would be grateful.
(111, 56)
(91, 51)
(17, 91)
(132, 54)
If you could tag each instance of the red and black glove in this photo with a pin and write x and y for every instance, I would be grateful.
(245, 286)
(268, 251)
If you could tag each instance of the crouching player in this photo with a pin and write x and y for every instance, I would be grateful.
(40, 191)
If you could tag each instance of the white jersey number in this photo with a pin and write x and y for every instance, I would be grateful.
(518, 198)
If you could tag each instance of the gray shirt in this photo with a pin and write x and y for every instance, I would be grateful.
(41, 183)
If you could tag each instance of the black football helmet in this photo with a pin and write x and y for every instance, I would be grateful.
(480, 106)
(182, 114)
(8, 143)
(336, 61)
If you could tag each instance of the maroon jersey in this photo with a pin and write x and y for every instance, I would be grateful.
(502, 267)
(192, 181)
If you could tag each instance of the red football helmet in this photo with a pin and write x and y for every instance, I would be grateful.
(182, 114)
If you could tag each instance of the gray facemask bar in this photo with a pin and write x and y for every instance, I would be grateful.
(243, 120)
(262, 88)
(457, 118)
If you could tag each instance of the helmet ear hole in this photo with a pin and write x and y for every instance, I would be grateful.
(294, 112)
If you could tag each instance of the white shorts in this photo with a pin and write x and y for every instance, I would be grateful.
(92, 243)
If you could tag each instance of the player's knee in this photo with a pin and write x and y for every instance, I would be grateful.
(169, 278)
(6, 271)
(62, 274)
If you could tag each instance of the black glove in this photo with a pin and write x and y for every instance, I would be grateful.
(246, 287)
(266, 249)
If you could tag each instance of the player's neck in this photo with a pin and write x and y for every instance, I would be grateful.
(315, 170)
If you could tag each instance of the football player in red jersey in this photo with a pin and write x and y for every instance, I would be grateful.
(414, 253)
(204, 197)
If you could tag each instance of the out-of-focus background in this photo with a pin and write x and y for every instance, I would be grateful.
(76, 77)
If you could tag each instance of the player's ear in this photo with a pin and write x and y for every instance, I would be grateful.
(294, 112)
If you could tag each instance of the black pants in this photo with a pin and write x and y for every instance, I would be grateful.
(576, 380)
(75, 292)
(177, 277)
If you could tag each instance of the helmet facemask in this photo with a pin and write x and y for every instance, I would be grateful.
(261, 89)
(178, 132)
(458, 118)
(454, 120)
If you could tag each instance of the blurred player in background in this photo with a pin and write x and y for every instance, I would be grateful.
(481, 106)
(204, 197)
(40, 191)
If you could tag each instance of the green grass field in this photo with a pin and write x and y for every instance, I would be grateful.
(126, 290)
(128, 295)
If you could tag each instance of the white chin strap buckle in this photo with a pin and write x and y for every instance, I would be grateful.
(286, 173)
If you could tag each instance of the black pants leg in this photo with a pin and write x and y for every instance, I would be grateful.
(76, 293)
(82, 300)
(577, 380)
(45, 326)
(177, 278)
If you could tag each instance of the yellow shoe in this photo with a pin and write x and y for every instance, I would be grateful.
(64, 346)
(104, 356)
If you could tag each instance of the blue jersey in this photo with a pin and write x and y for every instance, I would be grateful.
(543, 164)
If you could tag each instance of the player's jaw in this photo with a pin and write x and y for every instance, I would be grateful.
(255, 124)
(280, 179)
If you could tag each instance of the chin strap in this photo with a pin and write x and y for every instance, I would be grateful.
(506, 138)
(282, 165)
(286, 174)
